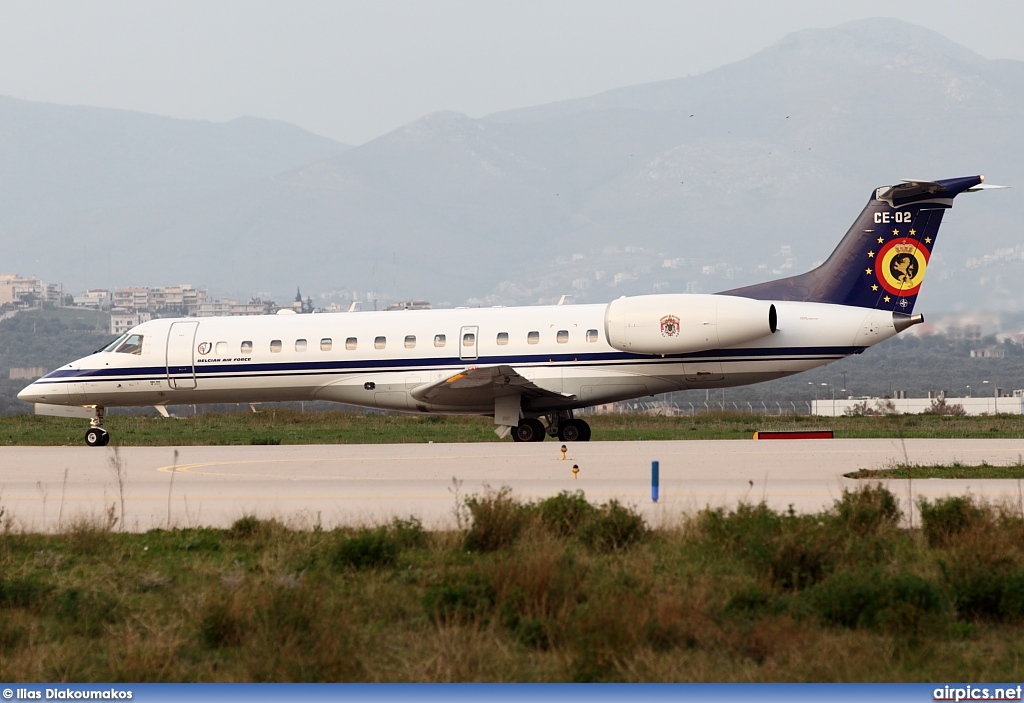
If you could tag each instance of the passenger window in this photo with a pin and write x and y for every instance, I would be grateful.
(380, 342)
(222, 348)
(275, 345)
(300, 345)
(533, 338)
(468, 339)
(132, 345)
(502, 338)
(351, 343)
(439, 340)
(562, 337)
(246, 347)
(326, 344)
(591, 335)
(410, 341)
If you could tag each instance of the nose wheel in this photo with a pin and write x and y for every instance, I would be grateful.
(97, 437)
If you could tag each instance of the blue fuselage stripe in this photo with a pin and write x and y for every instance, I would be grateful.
(316, 368)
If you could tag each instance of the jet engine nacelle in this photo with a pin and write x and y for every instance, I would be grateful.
(676, 324)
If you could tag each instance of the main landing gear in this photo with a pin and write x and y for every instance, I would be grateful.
(96, 436)
(562, 425)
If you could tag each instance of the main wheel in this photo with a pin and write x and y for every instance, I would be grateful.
(97, 437)
(574, 431)
(528, 430)
(570, 431)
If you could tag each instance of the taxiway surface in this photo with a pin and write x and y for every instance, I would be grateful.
(352, 484)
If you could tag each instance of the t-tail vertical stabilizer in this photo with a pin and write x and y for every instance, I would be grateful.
(882, 260)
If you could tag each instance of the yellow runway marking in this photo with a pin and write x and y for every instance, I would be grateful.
(190, 469)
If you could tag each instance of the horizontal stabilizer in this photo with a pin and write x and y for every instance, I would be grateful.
(937, 187)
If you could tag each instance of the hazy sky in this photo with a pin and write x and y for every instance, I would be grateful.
(355, 70)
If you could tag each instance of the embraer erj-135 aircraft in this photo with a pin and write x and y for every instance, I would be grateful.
(530, 367)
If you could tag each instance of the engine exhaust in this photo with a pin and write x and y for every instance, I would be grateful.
(901, 321)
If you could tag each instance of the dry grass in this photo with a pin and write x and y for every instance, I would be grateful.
(743, 595)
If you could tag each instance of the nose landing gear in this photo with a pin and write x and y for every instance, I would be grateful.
(96, 436)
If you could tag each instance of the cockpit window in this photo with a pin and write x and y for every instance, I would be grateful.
(132, 345)
(113, 345)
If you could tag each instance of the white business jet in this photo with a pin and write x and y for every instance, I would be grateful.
(530, 368)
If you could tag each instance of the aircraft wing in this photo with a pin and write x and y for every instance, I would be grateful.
(480, 385)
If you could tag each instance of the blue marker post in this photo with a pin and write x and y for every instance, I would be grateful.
(654, 481)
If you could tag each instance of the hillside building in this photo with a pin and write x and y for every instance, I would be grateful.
(122, 320)
(183, 300)
(21, 291)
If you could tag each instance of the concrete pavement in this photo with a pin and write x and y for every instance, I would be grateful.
(353, 484)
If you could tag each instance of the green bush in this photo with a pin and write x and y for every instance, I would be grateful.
(566, 512)
(946, 518)
(1011, 605)
(368, 549)
(750, 531)
(461, 598)
(869, 599)
(409, 534)
(613, 527)
(22, 593)
(85, 612)
(991, 592)
(247, 527)
(868, 509)
(751, 600)
(497, 520)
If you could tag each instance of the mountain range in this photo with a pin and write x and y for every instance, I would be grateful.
(700, 183)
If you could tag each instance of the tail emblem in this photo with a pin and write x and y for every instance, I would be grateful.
(899, 265)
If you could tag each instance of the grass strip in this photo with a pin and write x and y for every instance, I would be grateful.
(954, 470)
(289, 426)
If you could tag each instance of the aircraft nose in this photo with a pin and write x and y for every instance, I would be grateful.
(37, 393)
(28, 393)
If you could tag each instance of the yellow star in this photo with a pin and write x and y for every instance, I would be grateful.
(871, 254)
(874, 287)
(867, 271)
(886, 299)
(913, 232)
(895, 232)
(880, 240)
(927, 240)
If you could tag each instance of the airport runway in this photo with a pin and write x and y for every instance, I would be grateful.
(353, 484)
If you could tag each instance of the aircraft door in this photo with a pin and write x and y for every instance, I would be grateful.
(468, 340)
(181, 370)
